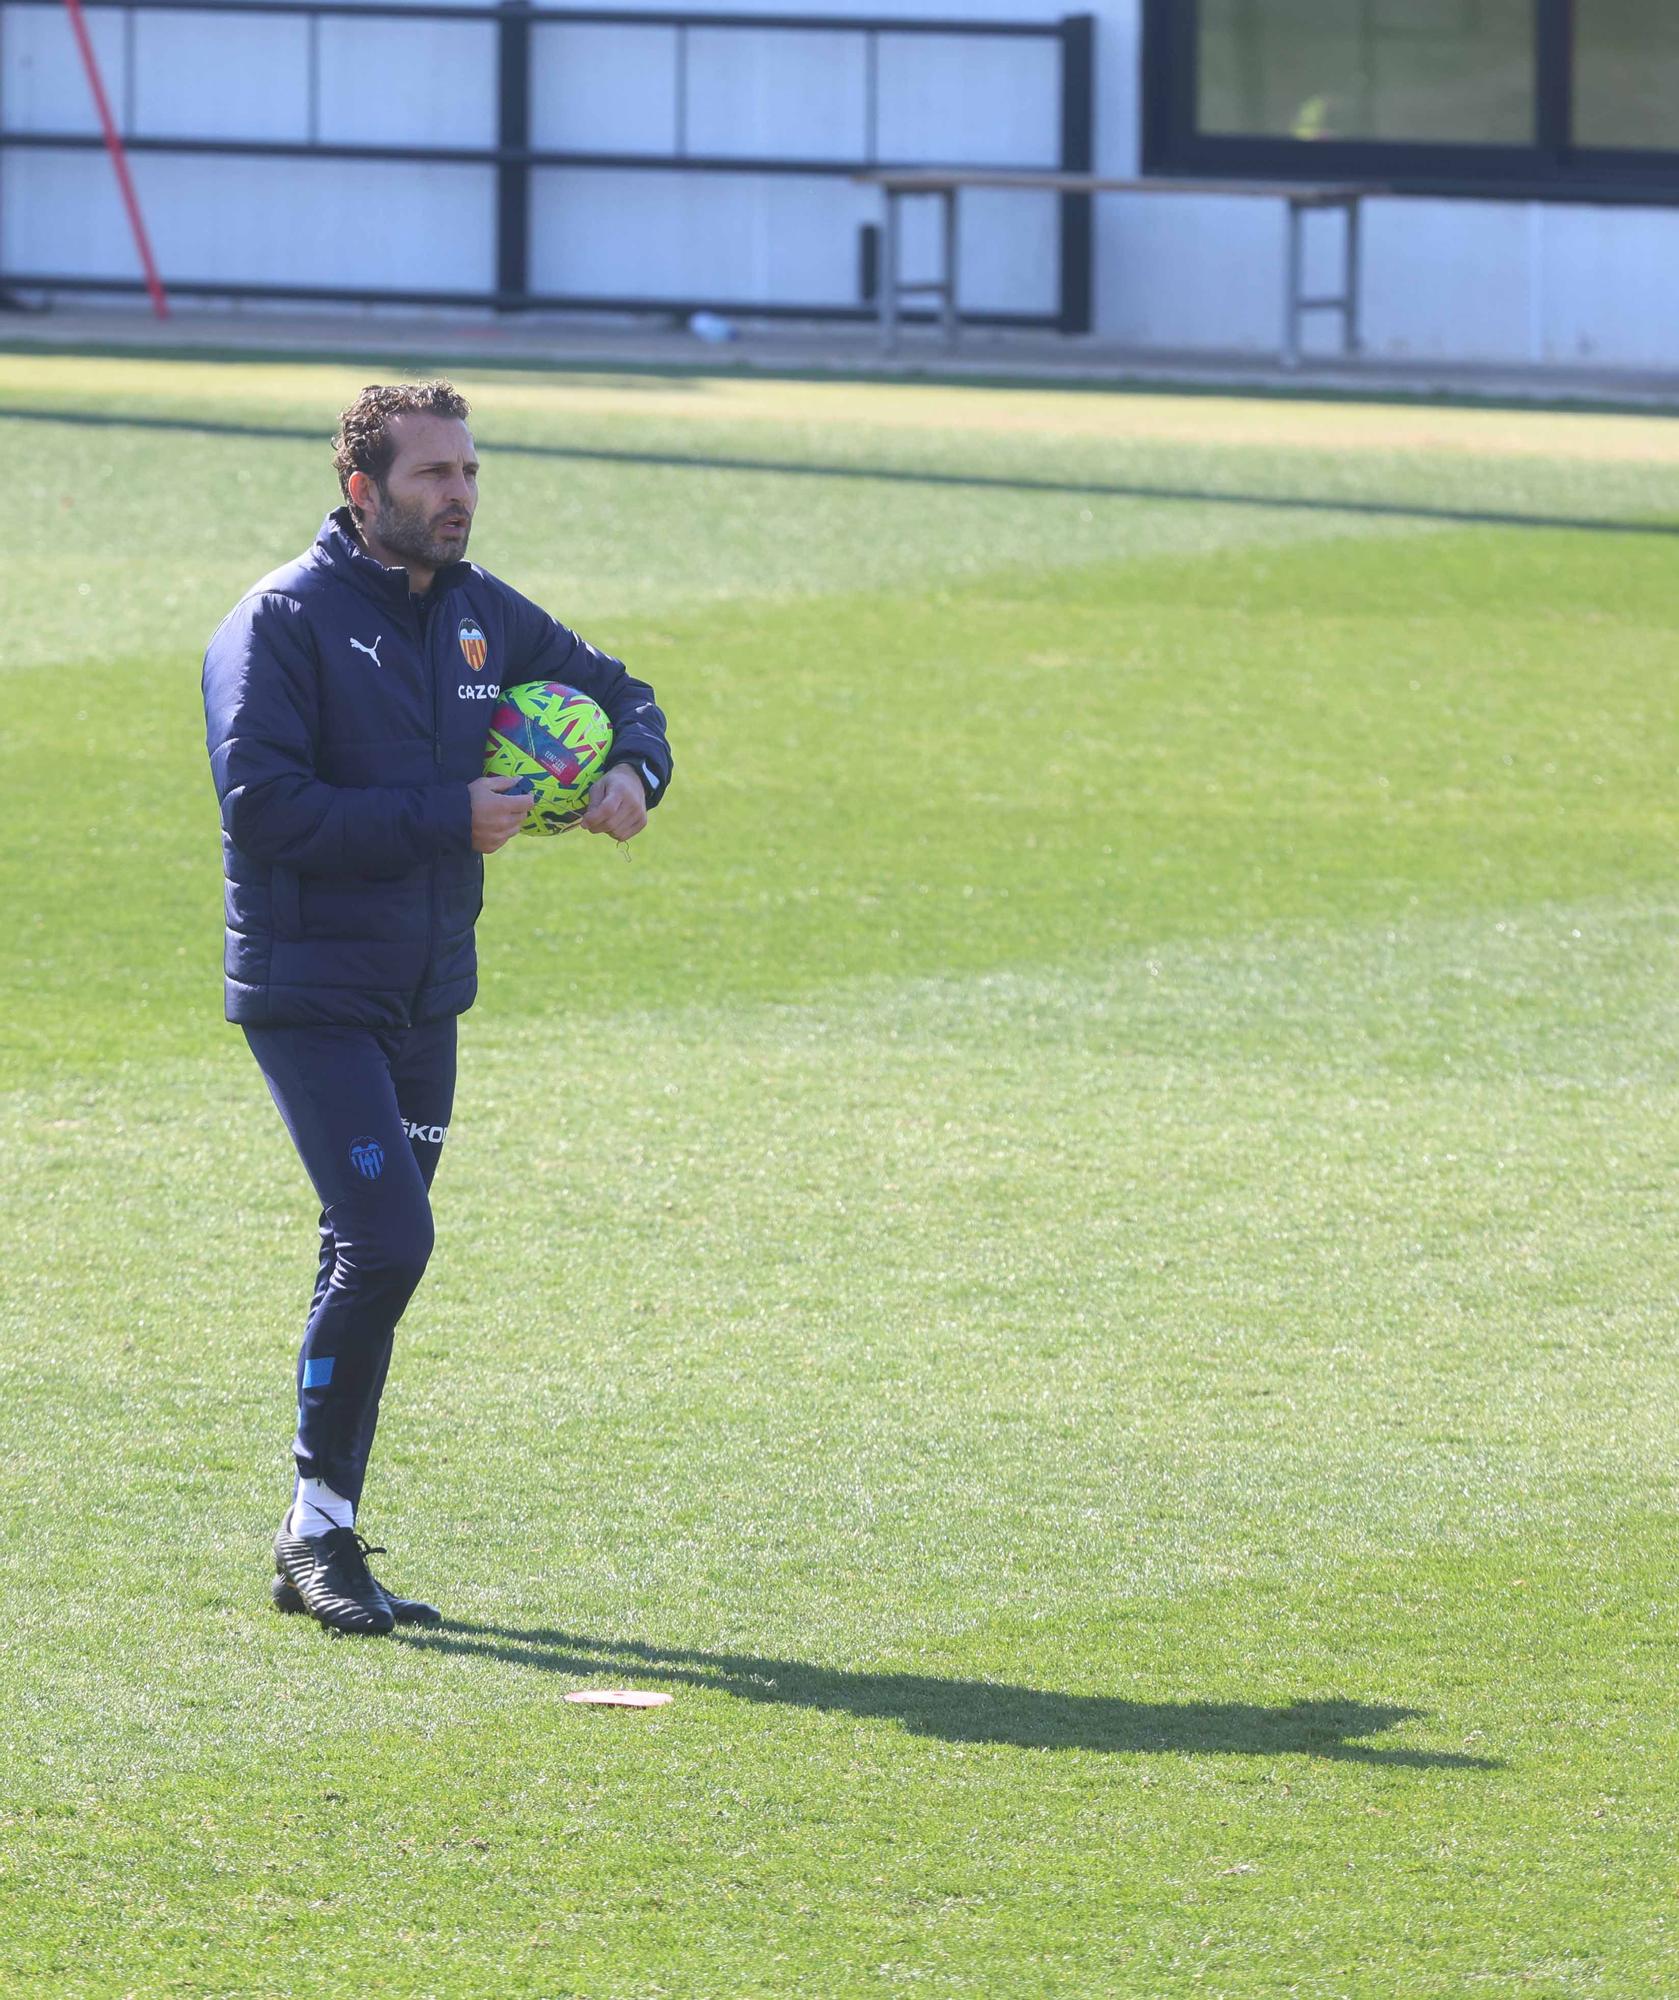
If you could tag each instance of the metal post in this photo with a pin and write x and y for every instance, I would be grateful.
(947, 302)
(868, 264)
(513, 135)
(1078, 125)
(9, 301)
(1354, 332)
(889, 274)
(1291, 303)
(119, 157)
(1553, 65)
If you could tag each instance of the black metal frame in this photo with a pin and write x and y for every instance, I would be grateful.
(514, 159)
(1551, 168)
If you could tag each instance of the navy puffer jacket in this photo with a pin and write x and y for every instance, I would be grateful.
(345, 720)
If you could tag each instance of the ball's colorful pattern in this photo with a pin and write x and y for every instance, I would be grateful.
(558, 739)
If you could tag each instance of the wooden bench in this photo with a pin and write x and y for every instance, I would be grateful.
(897, 183)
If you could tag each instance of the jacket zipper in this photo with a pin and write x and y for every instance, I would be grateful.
(425, 623)
(436, 698)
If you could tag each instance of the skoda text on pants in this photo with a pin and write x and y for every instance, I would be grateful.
(367, 1111)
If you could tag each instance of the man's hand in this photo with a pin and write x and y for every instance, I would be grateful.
(617, 804)
(497, 813)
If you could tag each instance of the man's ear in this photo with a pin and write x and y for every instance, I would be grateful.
(360, 491)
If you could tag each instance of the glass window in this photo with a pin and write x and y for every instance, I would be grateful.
(1446, 71)
(1626, 74)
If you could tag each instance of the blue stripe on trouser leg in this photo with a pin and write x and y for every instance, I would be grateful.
(367, 1110)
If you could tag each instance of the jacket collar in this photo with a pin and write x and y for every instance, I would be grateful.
(339, 547)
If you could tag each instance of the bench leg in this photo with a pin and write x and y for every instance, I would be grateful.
(1354, 333)
(1295, 279)
(889, 274)
(948, 297)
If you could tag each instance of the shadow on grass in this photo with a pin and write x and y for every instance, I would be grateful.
(1309, 503)
(969, 1711)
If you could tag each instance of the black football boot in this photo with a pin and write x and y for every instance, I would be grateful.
(332, 1580)
(404, 1611)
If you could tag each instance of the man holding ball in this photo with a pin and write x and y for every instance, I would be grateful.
(346, 700)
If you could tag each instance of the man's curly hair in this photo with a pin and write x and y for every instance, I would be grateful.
(364, 442)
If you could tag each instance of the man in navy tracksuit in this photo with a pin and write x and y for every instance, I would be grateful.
(347, 698)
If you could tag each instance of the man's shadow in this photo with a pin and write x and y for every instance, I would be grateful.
(969, 1711)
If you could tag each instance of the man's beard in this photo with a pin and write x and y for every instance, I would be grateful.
(409, 533)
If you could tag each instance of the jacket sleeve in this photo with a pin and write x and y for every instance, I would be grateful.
(261, 714)
(542, 649)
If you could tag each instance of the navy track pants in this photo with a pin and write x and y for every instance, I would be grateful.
(368, 1110)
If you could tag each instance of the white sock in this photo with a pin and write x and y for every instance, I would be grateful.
(317, 1510)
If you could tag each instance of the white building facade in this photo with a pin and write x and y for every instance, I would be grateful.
(647, 157)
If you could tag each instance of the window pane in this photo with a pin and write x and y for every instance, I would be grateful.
(1441, 70)
(1626, 73)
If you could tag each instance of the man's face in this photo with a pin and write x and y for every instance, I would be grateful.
(421, 511)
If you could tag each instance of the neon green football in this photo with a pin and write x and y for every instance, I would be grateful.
(555, 737)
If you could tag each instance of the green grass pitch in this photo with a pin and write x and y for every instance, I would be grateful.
(1077, 1252)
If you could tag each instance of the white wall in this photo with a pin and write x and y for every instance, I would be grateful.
(1509, 282)
(1499, 281)
(594, 234)
(304, 222)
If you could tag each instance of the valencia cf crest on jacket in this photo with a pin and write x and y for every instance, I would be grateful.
(473, 643)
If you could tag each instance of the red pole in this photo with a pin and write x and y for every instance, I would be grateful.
(119, 159)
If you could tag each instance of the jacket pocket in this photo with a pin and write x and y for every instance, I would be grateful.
(286, 903)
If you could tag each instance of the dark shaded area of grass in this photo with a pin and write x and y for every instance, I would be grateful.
(1195, 496)
(972, 1711)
